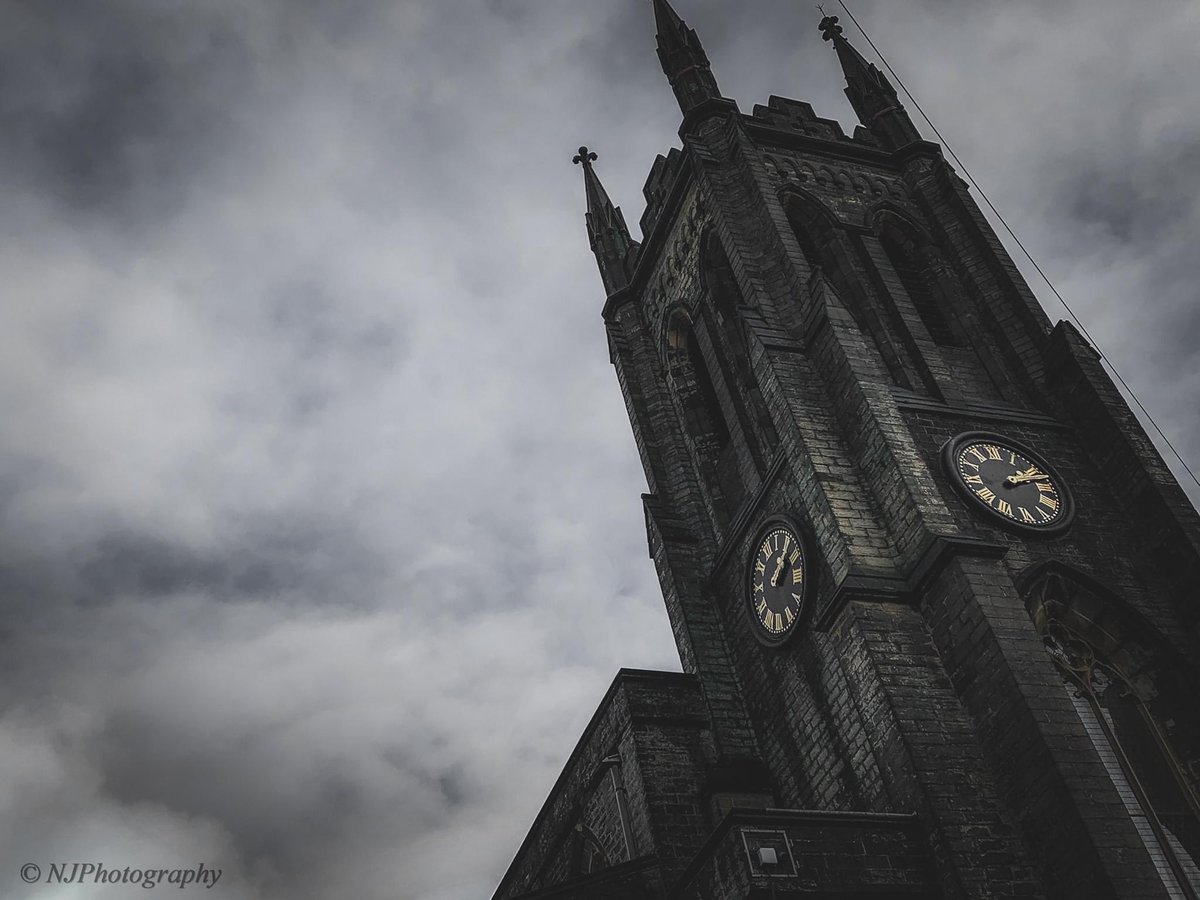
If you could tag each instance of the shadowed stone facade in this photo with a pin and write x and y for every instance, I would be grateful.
(966, 707)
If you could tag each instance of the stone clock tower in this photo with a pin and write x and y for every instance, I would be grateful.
(934, 591)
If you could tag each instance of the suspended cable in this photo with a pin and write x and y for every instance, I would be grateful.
(1070, 312)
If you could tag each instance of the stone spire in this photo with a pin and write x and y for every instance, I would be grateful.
(871, 94)
(683, 59)
(607, 232)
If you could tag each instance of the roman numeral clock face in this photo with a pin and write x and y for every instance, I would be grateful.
(1008, 481)
(778, 583)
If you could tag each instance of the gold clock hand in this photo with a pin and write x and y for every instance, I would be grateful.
(778, 572)
(1025, 477)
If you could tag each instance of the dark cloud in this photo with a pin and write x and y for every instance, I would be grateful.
(319, 522)
(100, 101)
(1138, 204)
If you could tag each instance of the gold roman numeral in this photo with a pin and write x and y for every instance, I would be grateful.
(797, 575)
(993, 451)
(760, 567)
(1026, 517)
(1047, 500)
(977, 453)
(986, 495)
(973, 479)
(1004, 507)
(787, 614)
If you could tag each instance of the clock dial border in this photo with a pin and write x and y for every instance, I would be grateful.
(949, 454)
(800, 536)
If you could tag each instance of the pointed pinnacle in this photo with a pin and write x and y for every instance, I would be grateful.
(871, 94)
(598, 203)
(854, 64)
(666, 20)
(683, 59)
(678, 45)
(606, 227)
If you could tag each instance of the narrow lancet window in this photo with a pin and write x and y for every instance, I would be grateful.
(694, 388)
(916, 278)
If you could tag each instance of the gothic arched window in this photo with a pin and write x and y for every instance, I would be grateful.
(1135, 710)
(912, 268)
(587, 853)
(693, 387)
(817, 232)
(813, 227)
(704, 421)
(727, 304)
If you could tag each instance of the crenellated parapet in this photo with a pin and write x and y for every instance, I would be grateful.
(797, 117)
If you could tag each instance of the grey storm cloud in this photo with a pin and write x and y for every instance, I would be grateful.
(319, 524)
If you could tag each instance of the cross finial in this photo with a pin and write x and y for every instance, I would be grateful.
(829, 27)
(584, 156)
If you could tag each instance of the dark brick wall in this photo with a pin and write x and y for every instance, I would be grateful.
(1069, 813)
(1134, 477)
(929, 751)
(817, 855)
(637, 880)
(601, 815)
(625, 727)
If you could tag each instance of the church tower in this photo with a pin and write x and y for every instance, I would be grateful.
(933, 589)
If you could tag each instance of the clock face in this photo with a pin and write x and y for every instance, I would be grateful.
(778, 583)
(1009, 481)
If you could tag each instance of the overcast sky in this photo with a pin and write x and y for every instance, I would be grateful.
(320, 536)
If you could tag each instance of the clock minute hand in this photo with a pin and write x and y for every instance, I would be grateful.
(778, 572)
(1024, 477)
